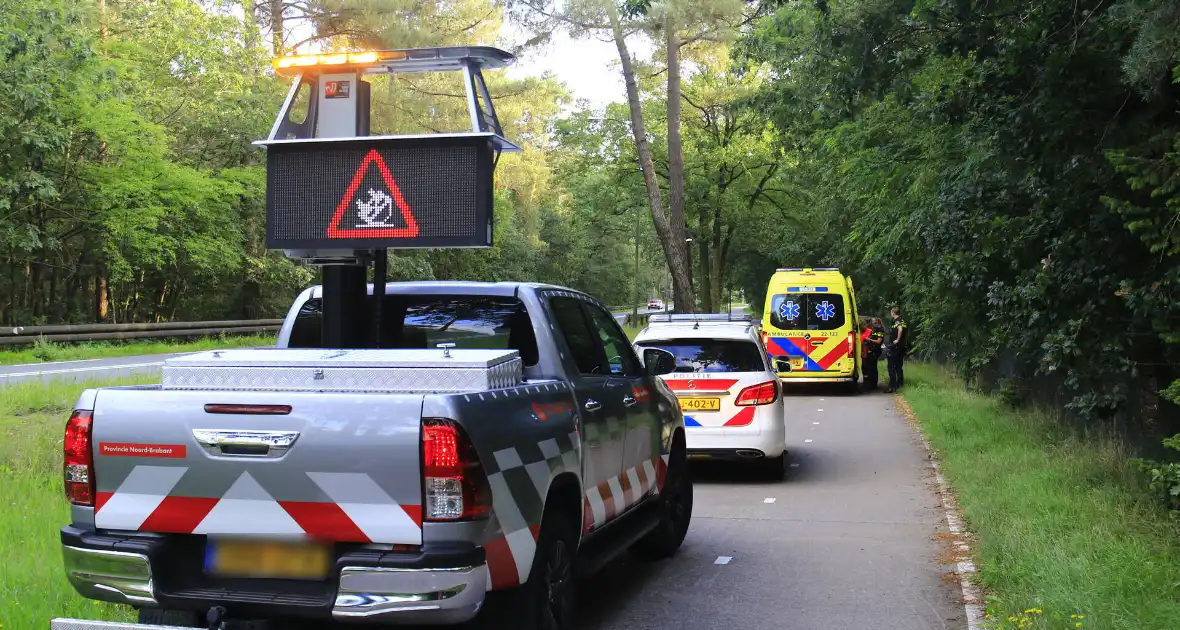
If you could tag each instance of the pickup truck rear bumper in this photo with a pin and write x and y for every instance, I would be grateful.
(440, 584)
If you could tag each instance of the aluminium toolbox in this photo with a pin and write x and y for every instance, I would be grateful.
(362, 370)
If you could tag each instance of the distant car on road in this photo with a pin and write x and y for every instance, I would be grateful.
(655, 304)
(727, 388)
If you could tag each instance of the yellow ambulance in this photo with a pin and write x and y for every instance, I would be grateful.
(811, 328)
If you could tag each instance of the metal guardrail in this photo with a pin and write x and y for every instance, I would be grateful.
(22, 335)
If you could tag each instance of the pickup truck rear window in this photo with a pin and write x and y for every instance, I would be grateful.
(424, 321)
(711, 355)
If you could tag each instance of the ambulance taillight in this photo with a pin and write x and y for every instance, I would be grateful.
(79, 459)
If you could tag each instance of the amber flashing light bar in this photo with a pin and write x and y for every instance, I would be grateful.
(292, 65)
(393, 60)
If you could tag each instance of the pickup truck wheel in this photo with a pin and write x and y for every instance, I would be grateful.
(181, 618)
(675, 504)
(546, 600)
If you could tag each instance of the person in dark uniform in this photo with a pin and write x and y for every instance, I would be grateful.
(871, 340)
(895, 346)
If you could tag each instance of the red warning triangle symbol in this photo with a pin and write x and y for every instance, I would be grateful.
(376, 226)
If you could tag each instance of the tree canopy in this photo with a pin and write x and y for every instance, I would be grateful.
(1006, 170)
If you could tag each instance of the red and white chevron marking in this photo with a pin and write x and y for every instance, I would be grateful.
(360, 511)
(613, 496)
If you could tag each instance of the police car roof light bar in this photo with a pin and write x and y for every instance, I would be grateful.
(699, 318)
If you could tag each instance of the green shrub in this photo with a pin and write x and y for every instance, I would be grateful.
(1164, 478)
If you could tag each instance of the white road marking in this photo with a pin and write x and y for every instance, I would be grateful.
(121, 366)
(814, 423)
(794, 465)
(819, 409)
(769, 500)
(807, 441)
(972, 596)
(722, 560)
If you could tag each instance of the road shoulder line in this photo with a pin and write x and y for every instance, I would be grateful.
(965, 568)
(120, 366)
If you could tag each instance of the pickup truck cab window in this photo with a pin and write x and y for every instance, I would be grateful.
(621, 359)
(578, 335)
(424, 321)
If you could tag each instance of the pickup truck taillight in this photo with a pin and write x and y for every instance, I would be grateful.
(79, 459)
(761, 394)
(454, 483)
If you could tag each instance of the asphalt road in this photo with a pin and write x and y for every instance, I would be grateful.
(849, 541)
(106, 368)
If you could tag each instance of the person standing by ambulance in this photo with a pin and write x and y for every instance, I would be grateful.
(895, 343)
(871, 340)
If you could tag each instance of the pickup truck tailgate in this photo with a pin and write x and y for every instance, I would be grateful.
(341, 467)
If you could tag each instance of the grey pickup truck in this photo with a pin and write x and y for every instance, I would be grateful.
(501, 441)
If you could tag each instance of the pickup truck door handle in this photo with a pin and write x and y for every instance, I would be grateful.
(629, 400)
(235, 443)
(593, 405)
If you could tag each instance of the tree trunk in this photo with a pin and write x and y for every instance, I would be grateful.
(102, 22)
(672, 243)
(101, 306)
(716, 279)
(52, 304)
(276, 26)
(72, 301)
(675, 140)
(705, 283)
(702, 242)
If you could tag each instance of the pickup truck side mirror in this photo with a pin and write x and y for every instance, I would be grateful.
(782, 365)
(658, 361)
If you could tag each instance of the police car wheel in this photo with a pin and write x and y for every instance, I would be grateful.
(181, 618)
(774, 468)
(675, 502)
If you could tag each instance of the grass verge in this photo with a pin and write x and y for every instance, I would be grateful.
(49, 351)
(631, 331)
(1067, 536)
(33, 587)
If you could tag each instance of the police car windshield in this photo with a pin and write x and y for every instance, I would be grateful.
(711, 355)
(807, 311)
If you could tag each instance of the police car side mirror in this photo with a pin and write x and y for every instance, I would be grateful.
(658, 362)
(782, 365)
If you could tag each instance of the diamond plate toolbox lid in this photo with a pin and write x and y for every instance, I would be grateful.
(362, 370)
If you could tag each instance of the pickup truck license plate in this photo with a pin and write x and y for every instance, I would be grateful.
(242, 558)
(700, 404)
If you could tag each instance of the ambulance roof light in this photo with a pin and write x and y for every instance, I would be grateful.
(808, 269)
(395, 61)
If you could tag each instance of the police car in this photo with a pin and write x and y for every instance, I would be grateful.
(727, 388)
